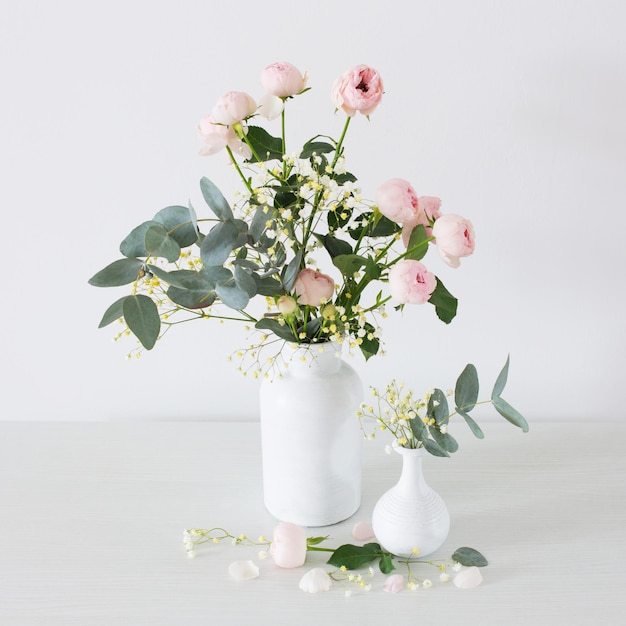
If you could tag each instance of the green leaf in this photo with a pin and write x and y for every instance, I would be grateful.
(438, 406)
(418, 243)
(134, 244)
(509, 413)
(292, 270)
(474, 427)
(434, 448)
(272, 325)
(466, 389)
(232, 296)
(386, 564)
(500, 383)
(373, 269)
(335, 247)
(348, 264)
(120, 272)
(179, 278)
(216, 201)
(444, 441)
(265, 146)
(190, 298)
(354, 557)
(181, 224)
(268, 286)
(142, 317)
(383, 227)
(215, 274)
(469, 557)
(314, 541)
(445, 303)
(159, 243)
(244, 281)
(114, 312)
(219, 243)
(418, 428)
(317, 147)
(259, 222)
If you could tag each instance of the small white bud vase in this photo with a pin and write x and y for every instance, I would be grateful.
(310, 438)
(411, 514)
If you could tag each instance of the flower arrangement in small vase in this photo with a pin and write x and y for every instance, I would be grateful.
(411, 515)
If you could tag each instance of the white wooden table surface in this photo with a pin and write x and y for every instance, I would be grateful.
(92, 514)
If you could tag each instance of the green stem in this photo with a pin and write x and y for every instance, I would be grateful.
(340, 142)
(316, 549)
(234, 162)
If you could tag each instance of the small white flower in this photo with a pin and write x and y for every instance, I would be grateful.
(444, 578)
(191, 554)
(443, 429)
(243, 570)
(457, 567)
(262, 555)
(427, 583)
(315, 580)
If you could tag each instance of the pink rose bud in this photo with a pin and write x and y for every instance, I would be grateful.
(429, 210)
(288, 547)
(359, 89)
(216, 137)
(282, 80)
(397, 200)
(287, 305)
(233, 107)
(394, 583)
(313, 288)
(410, 282)
(454, 236)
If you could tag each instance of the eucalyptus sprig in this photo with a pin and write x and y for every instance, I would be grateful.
(423, 422)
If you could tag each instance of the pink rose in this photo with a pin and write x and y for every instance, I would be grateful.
(454, 236)
(397, 200)
(313, 288)
(288, 547)
(429, 210)
(410, 282)
(394, 583)
(233, 107)
(282, 80)
(359, 89)
(216, 137)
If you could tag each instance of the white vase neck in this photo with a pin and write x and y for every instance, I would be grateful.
(314, 359)
(412, 477)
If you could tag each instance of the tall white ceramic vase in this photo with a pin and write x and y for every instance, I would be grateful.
(311, 440)
(411, 514)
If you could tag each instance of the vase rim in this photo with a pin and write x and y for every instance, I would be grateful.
(407, 451)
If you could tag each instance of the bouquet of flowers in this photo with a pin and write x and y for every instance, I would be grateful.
(299, 251)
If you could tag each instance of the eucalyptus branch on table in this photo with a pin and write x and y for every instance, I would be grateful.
(290, 545)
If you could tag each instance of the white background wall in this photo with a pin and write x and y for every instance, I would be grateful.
(512, 112)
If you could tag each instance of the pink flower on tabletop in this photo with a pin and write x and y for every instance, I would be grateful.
(288, 547)
(362, 531)
(396, 199)
(429, 211)
(233, 107)
(359, 89)
(454, 236)
(313, 288)
(468, 578)
(315, 580)
(394, 583)
(282, 80)
(216, 137)
(410, 282)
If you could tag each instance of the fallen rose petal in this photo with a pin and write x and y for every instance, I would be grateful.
(468, 578)
(243, 570)
(394, 583)
(315, 580)
(362, 531)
